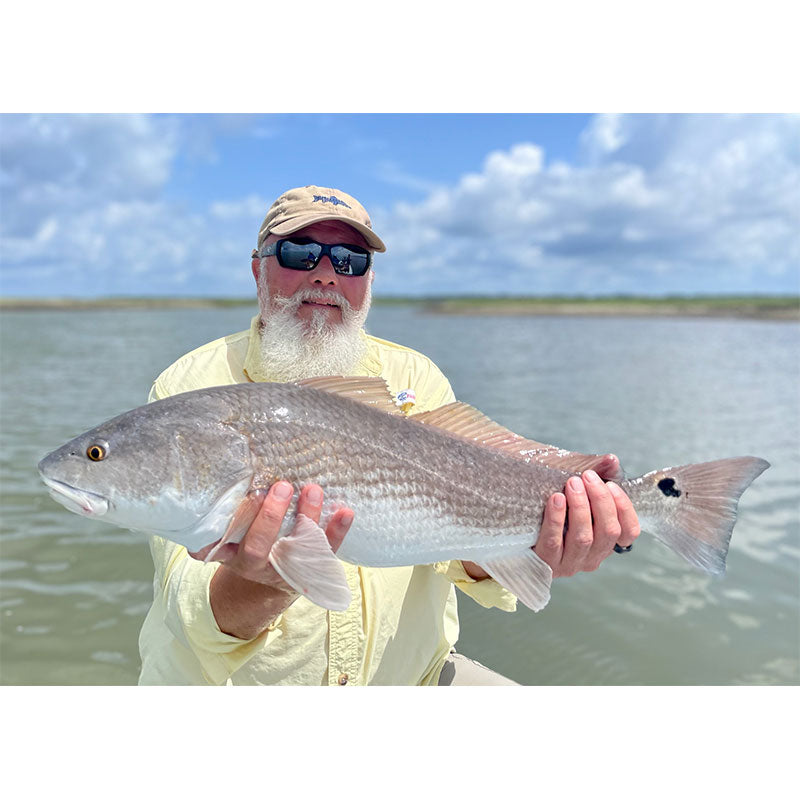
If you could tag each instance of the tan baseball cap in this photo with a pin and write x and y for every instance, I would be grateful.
(300, 207)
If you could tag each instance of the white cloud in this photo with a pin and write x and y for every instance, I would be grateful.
(653, 204)
(656, 204)
(84, 202)
(604, 135)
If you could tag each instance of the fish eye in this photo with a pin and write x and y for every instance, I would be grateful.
(96, 452)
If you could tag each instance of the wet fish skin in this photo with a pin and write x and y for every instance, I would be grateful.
(181, 468)
(190, 445)
(164, 468)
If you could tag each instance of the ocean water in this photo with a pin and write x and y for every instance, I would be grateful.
(656, 392)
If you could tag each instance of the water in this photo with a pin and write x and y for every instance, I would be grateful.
(73, 593)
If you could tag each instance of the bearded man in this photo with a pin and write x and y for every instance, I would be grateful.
(238, 622)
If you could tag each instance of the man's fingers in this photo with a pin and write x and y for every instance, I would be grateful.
(258, 540)
(579, 537)
(605, 525)
(628, 519)
(550, 544)
(338, 526)
(608, 468)
(310, 502)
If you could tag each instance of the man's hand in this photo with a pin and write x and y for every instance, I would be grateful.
(246, 592)
(600, 516)
(251, 559)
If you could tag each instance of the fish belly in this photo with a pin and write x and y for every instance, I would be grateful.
(386, 534)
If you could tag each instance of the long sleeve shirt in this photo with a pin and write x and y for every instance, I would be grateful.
(402, 621)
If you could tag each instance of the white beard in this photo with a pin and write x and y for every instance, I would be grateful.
(292, 349)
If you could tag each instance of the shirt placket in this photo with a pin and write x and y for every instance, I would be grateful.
(346, 639)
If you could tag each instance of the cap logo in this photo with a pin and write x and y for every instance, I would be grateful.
(318, 198)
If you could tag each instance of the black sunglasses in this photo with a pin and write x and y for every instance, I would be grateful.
(304, 254)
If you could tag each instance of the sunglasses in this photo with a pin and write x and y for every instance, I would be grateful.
(305, 254)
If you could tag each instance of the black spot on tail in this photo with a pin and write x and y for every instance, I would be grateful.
(667, 485)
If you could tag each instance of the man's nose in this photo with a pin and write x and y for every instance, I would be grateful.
(324, 273)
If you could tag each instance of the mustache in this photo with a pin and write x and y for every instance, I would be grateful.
(294, 302)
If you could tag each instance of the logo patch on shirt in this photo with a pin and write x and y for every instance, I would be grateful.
(406, 400)
(318, 198)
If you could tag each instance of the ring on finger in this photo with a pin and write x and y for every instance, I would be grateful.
(619, 549)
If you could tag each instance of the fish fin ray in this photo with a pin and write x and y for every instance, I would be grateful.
(241, 520)
(304, 559)
(373, 392)
(696, 506)
(209, 527)
(525, 575)
(466, 422)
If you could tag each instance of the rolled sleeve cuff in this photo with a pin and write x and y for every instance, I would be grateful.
(191, 620)
(488, 592)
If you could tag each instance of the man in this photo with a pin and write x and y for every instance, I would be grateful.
(238, 622)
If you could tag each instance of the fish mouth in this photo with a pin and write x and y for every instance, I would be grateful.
(79, 501)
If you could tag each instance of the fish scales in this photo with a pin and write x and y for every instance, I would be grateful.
(460, 495)
(450, 484)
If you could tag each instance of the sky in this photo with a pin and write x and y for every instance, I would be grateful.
(468, 204)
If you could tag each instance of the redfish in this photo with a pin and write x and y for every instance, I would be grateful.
(440, 485)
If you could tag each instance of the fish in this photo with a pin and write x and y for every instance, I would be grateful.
(434, 486)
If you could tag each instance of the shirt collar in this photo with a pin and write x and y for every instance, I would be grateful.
(370, 363)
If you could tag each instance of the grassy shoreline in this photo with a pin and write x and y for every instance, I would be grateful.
(750, 307)
(775, 307)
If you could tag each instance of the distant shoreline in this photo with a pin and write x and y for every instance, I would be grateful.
(750, 307)
(778, 307)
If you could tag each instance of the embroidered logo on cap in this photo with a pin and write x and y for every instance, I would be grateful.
(318, 198)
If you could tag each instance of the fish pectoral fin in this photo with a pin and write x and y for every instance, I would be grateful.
(216, 521)
(523, 574)
(304, 559)
(241, 520)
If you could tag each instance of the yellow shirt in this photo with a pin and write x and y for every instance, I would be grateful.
(402, 622)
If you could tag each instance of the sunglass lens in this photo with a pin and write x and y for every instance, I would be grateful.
(348, 261)
(299, 255)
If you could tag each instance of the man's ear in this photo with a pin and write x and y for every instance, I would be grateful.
(255, 267)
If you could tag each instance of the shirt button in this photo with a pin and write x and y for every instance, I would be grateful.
(343, 679)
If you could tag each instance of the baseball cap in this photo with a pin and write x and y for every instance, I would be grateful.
(307, 204)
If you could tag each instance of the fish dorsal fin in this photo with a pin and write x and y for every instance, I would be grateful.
(466, 422)
(370, 391)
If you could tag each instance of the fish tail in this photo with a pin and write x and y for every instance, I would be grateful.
(692, 509)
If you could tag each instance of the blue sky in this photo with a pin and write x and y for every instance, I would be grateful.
(517, 204)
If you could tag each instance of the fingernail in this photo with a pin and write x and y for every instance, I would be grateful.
(282, 490)
(592, 476)
(314, 495)
(576, 484)
(347, 519)
(559, 501)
